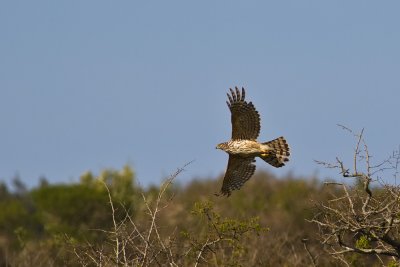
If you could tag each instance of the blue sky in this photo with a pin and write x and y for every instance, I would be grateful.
(88, 85)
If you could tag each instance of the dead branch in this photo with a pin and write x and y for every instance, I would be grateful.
(360, 219)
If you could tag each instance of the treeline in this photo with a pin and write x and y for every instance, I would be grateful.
(109, 220)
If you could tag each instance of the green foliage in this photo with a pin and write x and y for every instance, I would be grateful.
(71, 209)
(18, 222)
(12, 211)
(46, 215)
(393, 263)
(120, 183)
(4, 194)
(225, 226)
(223, 240)
(363, 242)
(43, 226)
(74, 208)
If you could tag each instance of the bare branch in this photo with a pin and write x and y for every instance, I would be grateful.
(360, 218)
(312, 258)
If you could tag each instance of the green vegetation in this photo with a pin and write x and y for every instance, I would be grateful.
(108, 220)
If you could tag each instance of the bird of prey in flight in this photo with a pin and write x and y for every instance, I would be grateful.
(243, 147)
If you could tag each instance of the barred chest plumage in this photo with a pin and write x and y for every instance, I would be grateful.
(245, 147)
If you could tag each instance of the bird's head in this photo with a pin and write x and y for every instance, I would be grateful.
(222, 146)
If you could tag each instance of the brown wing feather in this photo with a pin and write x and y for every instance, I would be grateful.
(238, 172)
(244, 116)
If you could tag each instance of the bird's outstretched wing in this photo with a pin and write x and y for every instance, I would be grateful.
(238, 172)
(244, 116)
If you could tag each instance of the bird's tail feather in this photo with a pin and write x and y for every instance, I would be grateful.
(279, 154)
